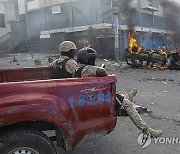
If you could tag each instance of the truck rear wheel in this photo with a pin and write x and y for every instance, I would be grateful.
(26, 142)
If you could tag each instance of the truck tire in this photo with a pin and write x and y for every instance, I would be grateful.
(26, 142)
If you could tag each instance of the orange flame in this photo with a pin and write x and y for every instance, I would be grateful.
(162, 53)
(155, 66)
(134, 48)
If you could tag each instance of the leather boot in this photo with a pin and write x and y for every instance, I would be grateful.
(154, 133)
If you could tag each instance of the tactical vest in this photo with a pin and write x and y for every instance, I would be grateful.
(60, 69)
(78, 72)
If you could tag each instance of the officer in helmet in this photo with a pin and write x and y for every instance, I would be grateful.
(86, 68)
(65, 65)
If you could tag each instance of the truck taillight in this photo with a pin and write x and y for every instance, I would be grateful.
(113, 87)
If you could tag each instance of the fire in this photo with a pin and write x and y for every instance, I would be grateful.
(155, 66)
(162, 53)
(134, 48)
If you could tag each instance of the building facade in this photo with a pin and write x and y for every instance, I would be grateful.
(8, 15)
(43, 24)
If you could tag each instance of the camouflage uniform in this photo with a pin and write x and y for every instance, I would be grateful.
(70, 65)
(127, 105)
(65, 66)
(86, 71)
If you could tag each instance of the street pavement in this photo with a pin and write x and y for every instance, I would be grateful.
(158, 90)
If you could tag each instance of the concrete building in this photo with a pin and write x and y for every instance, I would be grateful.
(43, 24)
(6, 20)
(50, 22)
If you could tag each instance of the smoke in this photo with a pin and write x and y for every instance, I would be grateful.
(128, 11)
(172, 13)
(130, 21)
(125, 5)
(170, 3)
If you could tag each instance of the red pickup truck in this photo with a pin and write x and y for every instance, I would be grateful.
(33, 101)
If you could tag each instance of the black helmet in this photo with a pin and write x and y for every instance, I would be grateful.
(86, 56)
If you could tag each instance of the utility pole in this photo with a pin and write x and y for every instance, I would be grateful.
(116, 28)
(27, 19)
(13, 39)
(153, 34)
(120, 41)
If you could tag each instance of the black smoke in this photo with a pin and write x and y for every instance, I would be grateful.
(174, 4)
(128, 11)
(125, 5)
(172, 19)
(171, 13)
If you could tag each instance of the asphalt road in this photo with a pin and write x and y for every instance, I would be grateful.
(158, 90)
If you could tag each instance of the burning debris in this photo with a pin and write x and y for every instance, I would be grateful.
(137, 56)
(134, 48)
(173, 60)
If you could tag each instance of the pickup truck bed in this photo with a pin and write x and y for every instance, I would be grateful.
(25, 74)
(78, 109)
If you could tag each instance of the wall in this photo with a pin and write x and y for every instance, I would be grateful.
(6, 28)
(80, 13)
(37, 22)
(21, 7)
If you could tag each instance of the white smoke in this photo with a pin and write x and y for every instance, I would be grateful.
(171, 2)
(175, 1)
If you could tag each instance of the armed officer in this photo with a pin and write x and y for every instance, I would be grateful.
(66, 64)
(86, 67)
